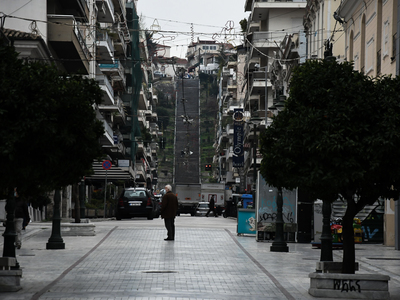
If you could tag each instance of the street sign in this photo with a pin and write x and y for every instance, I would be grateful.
(107, 165)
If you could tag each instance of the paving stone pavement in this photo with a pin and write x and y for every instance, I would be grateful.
(130, 260)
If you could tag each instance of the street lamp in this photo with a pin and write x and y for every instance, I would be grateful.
(279, 244)
(255, 120)
(55, 240)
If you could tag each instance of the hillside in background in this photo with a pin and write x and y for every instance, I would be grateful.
(166, 121)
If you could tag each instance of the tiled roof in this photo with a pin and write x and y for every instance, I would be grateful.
(20, 35)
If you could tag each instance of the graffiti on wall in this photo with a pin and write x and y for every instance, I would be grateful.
(267, 205)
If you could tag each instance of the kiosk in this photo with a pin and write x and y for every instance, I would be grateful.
(246, 218)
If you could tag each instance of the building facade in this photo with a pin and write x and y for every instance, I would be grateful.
(101, 40)
(371, 30)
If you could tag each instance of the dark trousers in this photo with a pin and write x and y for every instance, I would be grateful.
(170, 225)
(211, 210)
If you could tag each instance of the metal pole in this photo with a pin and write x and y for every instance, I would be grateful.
(55, 240)
(105, 196)
(254, 164)
(279, 244)
(326, 236)
(82, 198)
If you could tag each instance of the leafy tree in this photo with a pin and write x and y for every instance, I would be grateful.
(49, 134)
(151, 46)
(243, 25)
(338, 137)
(163, 117)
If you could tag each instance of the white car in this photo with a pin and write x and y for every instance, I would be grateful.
(202, 209)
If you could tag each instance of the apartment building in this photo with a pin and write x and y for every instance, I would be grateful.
(230, 99)
(321, 27)
(271, 24)
(204, 56)
(100, 39)
(371, 42)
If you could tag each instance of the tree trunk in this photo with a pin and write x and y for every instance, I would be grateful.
(349, 253)
(326, 237)
(77, 208)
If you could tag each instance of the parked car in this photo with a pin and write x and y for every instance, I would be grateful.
(136, 202)
(159, 74)
(202, 209)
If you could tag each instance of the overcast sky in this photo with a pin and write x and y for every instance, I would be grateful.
(212, 19)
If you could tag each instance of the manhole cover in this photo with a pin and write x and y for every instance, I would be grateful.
(159, 271)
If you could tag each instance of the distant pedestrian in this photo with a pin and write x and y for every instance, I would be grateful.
(21, 217)
(211, 207)
(169, 208)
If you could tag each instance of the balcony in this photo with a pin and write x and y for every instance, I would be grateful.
(251, 60)
(105, 47)
(120, 6)
(105, 85)
(264, 40)
(116, 150)
(78, 8)
(258, 7)
(144, 102)
(142, 119)
(232, 105)
(66, 38)
(116, 71)
(257, 83)
(117, 111)
(140, 171)
(105, 11)
(232, 87)
(253, 25)
(108, 137)
(121, 38)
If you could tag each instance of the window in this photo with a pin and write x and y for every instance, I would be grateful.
(370, 56)
(205, 47)
(385, 39)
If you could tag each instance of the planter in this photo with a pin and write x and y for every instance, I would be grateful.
(349, 286)
(10, 280)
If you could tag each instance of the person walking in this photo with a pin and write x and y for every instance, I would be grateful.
(21, 217)
(169, 208)
(211, 207)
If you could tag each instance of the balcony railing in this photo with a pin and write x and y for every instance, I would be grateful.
(104, 37)
(106, 86)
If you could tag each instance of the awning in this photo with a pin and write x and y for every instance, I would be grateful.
(114, 173)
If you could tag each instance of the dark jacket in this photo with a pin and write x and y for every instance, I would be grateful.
(169, 205)
(21, 209)
(211, 204)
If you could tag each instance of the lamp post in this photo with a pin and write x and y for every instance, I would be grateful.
(82, 198)
(254, 163)
(255, 121)
(326, 236)
(279, 244)
(55, 240)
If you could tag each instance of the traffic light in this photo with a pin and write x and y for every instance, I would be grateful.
(162, 143)
(208, 167)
